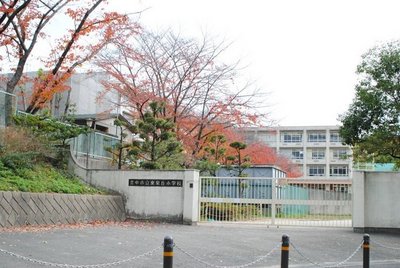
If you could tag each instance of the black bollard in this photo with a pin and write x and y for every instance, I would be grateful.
(285, 252)
(168, 252)
(366, 251)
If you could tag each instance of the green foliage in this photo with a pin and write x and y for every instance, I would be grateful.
(371, 124)
(41, 178)
(158, 147)
(207, 167)
(50, 128)
(53, 133)
(214, 155)
(230, 211)
(120, 149)
(20, 160)
(238, 161)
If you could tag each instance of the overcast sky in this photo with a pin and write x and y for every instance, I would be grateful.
(304, 53)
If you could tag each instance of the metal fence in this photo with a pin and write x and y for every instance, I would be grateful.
(272, 201)
(6, 100)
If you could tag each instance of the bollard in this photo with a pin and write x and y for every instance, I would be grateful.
(366, 251)
(285, 252)
(168, 252)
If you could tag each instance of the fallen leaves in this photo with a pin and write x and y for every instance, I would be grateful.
(95, 224)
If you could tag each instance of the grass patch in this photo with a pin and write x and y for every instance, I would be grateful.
(42, 178)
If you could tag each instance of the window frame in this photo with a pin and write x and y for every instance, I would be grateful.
(316, 137)
(318, 168)
(337, 137)
(337, 155)
(289, 137)
(300, 153)
(338, 173)
(318, 156)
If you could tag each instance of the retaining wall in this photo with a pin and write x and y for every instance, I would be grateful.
(20, 208)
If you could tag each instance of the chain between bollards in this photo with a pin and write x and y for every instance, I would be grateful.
(366, 251)
(168, 252)
(285, 252)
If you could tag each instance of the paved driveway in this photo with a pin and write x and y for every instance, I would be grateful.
(218, 245)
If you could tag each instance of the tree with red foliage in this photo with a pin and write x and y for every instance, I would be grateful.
(24, 26)
(202, 94)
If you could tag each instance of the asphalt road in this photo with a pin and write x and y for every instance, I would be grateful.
(218, 245)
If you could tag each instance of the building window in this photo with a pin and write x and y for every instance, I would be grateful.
(316, 170)
(339, 171)
(317, 137)
(318, 154)
(340, 154)
(334, 137)
(292, 137)
(297, 154)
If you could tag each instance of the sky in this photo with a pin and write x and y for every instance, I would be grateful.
(304, 53)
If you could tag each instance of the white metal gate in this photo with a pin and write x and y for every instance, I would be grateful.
(274, 202)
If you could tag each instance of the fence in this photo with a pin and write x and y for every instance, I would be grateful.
(272, 201)
(94, 145)
(7, 102)
(168, 255)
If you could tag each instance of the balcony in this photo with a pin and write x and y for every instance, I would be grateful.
(291, 144)
(316, 161)
(316, 144)
(340, 160)
(297, 161)
(337, 144)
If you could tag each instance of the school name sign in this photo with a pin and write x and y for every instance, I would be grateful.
(155, 183)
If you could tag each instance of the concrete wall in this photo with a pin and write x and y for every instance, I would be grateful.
(19, 209)
(375, 201)
(176, 204)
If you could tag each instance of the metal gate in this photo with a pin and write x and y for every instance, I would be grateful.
(273, 201)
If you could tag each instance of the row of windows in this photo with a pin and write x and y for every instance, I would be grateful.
(312, 137)
(334, 171)
(337, 154)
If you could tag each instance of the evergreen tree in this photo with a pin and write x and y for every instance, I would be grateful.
(158, 147)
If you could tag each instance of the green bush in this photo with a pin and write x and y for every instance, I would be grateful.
(20, 160)
(229, 211)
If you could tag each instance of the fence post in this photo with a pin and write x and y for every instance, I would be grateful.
(168, 252)
(274, 198)
(366, 251)
(285, 252)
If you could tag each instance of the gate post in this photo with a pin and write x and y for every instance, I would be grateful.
(366, 251)
(273, 198)
(168, 252)
(285, 252)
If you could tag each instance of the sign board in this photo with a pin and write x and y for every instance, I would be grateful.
(155, 183)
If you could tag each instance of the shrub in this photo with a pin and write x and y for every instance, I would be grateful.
(230, 211)
(21, 140)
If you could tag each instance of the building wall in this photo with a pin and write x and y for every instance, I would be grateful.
(87, 95)
(317, 150)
